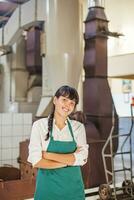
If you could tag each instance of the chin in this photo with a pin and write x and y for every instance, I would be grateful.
(65, 115)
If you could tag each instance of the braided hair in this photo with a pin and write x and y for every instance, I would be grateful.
(65, 91)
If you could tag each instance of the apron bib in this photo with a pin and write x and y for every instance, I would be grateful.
(63, 183)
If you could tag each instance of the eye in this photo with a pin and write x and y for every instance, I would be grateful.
(73, 103)
(64, 100)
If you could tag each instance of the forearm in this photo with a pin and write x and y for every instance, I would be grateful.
(49, 164)
(67, 159)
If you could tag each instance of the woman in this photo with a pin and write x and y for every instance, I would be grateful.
(58, 148)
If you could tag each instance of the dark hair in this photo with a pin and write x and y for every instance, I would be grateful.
(69, 92)
(65, 91)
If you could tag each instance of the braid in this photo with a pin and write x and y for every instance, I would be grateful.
(50, 124)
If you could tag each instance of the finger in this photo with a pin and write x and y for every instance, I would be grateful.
(79, 148)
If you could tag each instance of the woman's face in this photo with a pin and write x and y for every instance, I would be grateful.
(64, 106)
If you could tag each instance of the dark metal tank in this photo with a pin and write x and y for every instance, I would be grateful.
(98, 105)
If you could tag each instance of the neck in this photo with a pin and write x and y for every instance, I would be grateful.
(59, 120)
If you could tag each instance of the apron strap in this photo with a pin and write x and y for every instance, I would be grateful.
(51, 136)
(51, 132)
(70, 128)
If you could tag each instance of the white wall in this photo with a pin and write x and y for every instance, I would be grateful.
(121, 99)
(14, 128)
(121, 16)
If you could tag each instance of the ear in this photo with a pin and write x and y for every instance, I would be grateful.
(54, 100)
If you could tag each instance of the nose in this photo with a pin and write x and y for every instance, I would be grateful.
(68, 104)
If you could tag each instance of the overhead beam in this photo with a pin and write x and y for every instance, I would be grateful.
(121, 65)
(3, 18)
(11, 33)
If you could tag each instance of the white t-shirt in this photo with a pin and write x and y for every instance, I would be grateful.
(38, 143)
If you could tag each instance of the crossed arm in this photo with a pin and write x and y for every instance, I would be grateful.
(56, 160)
(47, 160)
(49, 164)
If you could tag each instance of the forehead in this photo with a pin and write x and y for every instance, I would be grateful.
(67, 97)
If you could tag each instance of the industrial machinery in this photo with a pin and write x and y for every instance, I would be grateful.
(111, 190)
(18, 184)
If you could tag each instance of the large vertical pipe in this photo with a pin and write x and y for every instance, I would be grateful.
(64, 44)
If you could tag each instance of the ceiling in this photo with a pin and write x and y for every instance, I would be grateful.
(7, 8)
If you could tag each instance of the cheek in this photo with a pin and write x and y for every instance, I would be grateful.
(72, 108)
(59, 105)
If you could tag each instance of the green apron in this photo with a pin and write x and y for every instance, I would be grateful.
(63, 183)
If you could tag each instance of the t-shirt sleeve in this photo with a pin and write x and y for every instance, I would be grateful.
(81, 157)
(35, 147)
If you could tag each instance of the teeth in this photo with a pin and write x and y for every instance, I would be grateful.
(66, 110)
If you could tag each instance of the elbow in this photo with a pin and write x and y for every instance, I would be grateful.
(35, 165)
(84, 162)
(79, 160)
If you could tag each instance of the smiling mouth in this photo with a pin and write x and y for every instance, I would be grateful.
(66, 110)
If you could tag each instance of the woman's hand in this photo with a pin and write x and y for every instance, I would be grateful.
(78, 149)
(44, 154)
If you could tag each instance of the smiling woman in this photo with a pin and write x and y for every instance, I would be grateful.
(63, 107)
(58, 148)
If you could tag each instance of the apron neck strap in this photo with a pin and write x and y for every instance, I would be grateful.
(70, 129)
(51, 136)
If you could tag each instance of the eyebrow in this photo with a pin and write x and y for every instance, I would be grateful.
(67, 97)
